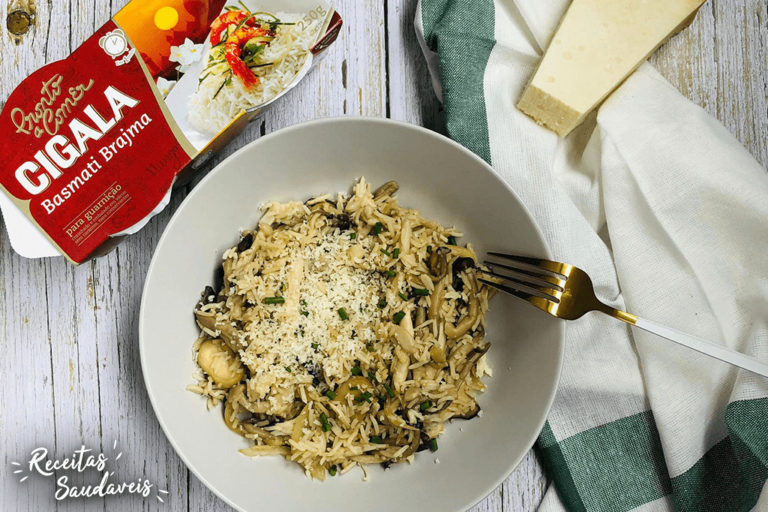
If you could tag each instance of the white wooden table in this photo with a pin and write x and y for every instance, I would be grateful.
(69, 363)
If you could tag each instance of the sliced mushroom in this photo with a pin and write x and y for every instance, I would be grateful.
(438, 263)
(461, 252)
(361, 383)
(399, 368)
(390, 414)
(207, 297)
(220, 363)
(206, 319)
(342, 221)
(299, 423)
(468, 415)
(421, 316)
(317, 472)
(226, 332)
(468, 321)
(438, 354)
(267, 437)
(369, 459)
(437, 298)
(414, 445)
(437, 351)
(459, 266)
(258, 451)
(388, 189)
(403, 334)
(472, 360)
(245, 243)
(233, 409)
(405, 235)
(355, 252)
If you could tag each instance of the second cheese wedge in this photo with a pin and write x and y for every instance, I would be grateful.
(596, 47)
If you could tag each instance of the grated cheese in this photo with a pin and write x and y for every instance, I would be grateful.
(310, 318)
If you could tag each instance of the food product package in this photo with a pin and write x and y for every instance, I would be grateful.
(95, 142)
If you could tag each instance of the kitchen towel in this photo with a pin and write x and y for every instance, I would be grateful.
(668, 214)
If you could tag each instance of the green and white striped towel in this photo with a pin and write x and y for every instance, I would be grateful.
(669, 215)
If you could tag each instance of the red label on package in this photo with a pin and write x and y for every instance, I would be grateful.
(89, 149)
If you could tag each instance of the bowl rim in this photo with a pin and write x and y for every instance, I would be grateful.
(297, 127)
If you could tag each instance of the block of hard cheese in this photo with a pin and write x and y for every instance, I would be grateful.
(598, 44)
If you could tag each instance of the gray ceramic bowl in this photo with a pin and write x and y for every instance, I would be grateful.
(442, 180)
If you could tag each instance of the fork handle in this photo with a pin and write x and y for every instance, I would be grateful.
(700, 345)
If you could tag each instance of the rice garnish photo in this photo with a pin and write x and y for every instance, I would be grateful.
(251, 57)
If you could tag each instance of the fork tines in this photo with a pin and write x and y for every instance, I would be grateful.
(525, 277)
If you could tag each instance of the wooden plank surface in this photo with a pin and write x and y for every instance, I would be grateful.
(71, 369)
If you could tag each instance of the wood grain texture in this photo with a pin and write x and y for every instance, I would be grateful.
(411, 96)
(71, 365)
(721, 63)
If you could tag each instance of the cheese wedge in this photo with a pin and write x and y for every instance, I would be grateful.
(598, 44)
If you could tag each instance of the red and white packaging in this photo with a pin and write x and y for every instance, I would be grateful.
(92, 147)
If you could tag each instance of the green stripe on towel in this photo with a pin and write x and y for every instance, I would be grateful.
(615, 467)
(620, 465)
(556, 464)
(463, 32)
(731, 475)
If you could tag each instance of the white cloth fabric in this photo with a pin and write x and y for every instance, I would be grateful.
(668, 214)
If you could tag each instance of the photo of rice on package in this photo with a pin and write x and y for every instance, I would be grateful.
(255, 52)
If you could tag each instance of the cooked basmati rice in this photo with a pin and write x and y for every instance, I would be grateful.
(216, 103)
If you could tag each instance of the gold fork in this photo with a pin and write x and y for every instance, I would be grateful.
(566, 292)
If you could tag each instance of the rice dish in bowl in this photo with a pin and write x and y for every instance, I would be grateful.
(346, 331)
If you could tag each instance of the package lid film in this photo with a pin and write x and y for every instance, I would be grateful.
(92, 148)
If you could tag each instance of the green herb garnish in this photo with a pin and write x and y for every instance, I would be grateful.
(226, 82)
(274, 300)
(330, 394)
(356, 370)
(324, 422)
(433, 445)
(364, 397)
(426, 405)
(382, 303)
(378, 228)
(398, 317)
(343, 314)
